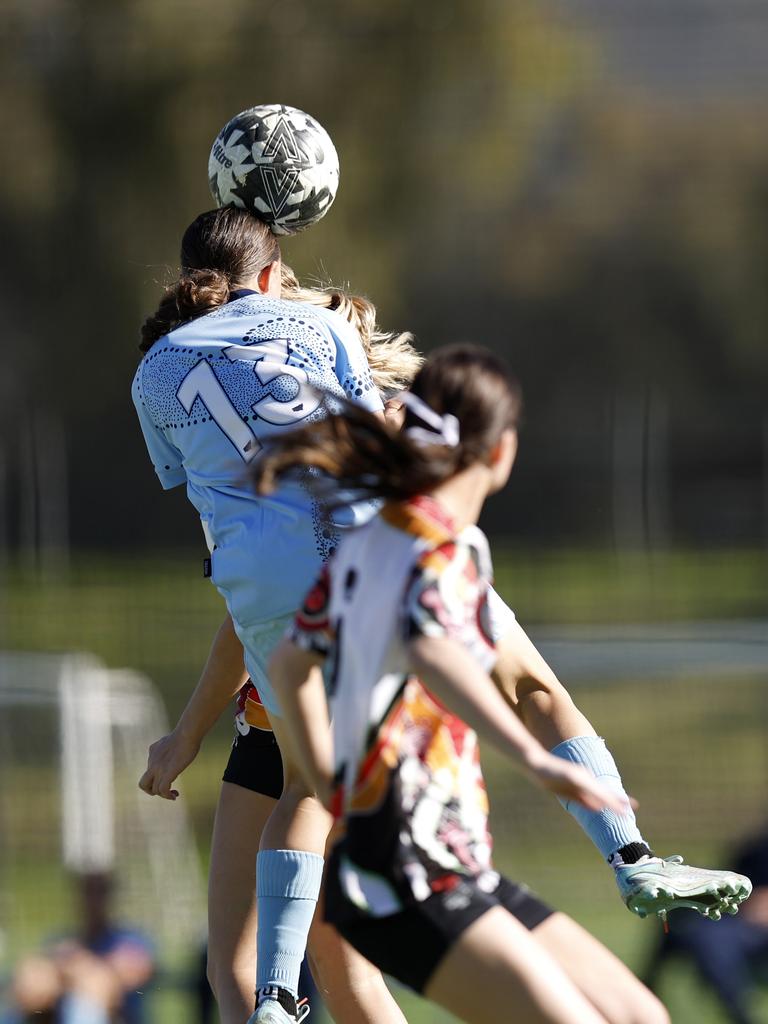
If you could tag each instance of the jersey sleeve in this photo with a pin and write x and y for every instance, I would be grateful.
(501, 618)
(352, 368)
(311, 629)
(448, 597)
(165, 457)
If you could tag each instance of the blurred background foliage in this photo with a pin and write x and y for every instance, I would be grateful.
(580, 184)
(509, 175)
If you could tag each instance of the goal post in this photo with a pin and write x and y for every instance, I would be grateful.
(73, 742)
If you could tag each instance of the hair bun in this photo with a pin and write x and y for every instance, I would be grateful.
(200, 290)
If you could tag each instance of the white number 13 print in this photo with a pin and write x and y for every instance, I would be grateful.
(288, 395)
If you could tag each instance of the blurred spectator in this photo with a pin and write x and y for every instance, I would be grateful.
(731, 955)
(95, 976)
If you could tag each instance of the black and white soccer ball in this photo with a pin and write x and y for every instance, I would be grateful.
(277, 162)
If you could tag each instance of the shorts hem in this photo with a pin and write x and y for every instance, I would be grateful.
(255, 763)
(410, 944)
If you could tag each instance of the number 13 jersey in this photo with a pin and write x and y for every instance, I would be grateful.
(207, 394)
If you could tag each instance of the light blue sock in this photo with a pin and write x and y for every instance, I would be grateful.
(607, 830)
(287, 886)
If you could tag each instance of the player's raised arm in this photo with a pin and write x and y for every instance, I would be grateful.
(449, 670)
(222, 677)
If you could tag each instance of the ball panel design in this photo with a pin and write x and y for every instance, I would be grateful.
(278, 162)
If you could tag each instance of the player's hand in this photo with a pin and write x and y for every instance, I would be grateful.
(167, 759)
(394, 412)
(574, 782)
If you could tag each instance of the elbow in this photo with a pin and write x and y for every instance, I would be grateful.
(545, 695)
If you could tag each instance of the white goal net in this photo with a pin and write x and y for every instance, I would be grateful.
(73, 741)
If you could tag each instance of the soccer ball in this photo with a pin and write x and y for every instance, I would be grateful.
(277, 162)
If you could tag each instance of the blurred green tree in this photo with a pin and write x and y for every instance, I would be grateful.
(496, 186)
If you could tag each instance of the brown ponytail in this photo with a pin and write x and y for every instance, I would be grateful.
(370, 458)
(219, 250)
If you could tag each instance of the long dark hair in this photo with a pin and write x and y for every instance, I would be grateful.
(219, 250)
(372, 459)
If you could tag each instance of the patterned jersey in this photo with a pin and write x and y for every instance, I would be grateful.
(410, 791)
(207, 394)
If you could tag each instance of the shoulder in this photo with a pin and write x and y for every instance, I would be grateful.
(274, 311)
(141, 389)
(345, 336)
(466, 553)
(259, 318)
(447, 592)
(475, 543)
(334, 321)
(136, 382)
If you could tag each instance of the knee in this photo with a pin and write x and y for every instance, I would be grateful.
(541, 698)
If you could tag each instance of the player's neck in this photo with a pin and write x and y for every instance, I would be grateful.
(463, 495)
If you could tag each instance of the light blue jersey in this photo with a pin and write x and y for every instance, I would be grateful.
(207, 394)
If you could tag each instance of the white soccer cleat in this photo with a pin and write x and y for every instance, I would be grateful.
(269, 1011)
(656, 885)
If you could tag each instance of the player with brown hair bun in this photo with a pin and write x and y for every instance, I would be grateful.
(228, 363)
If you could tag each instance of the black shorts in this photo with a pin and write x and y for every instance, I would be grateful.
(255, 763)
(410, 945)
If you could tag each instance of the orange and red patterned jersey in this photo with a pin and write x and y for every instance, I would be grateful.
(411, 803)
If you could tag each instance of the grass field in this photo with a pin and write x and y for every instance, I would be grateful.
(692, 751)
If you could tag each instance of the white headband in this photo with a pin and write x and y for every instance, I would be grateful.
(443, 429)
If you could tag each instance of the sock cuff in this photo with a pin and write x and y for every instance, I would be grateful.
(280, 995)
(607, 830)
(295, 874)
(630, 854)
(589, 751)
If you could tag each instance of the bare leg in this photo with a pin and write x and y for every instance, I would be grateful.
(299, 821)
(607, 982)
(240, 818)
(353, 989)
(497, 971)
